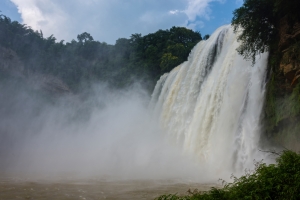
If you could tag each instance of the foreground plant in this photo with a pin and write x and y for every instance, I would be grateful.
(274, 181)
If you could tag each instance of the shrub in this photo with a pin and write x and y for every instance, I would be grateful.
(274, 181)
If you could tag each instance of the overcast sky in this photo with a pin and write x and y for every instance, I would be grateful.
(108, 20)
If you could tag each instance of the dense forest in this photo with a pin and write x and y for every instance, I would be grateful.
(142, 58)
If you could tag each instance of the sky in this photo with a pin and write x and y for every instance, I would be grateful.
(109, 20)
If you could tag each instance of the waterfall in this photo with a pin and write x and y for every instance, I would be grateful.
(211, 104)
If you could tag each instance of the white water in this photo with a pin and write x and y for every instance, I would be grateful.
(211, 104)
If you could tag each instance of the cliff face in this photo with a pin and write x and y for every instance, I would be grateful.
(289, 45)
(282, 109)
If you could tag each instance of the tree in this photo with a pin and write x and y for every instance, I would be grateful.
(206, 37)
(84, 37)
(256, 24)
(142, 57)
(168, 61)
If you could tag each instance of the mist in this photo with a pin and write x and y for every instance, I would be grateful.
(98, 133)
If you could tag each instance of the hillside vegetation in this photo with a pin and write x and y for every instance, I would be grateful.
(142, 58)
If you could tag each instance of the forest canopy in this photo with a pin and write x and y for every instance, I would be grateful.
(139, 57)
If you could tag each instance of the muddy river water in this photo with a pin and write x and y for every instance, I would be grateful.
(12, 188)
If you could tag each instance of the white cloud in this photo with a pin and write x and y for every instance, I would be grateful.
(196, 25)
(108, 20)
(36, 15)
(199, 8)
(174, 12)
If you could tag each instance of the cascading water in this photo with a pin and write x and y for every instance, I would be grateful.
(211, 104)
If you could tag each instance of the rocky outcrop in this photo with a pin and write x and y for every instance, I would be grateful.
(288, 34)
(282, 108)
(290, 68)
(289, 45)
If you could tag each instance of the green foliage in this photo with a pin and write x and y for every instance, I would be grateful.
(168, 61)
(256, 22)
(206, 37)
(84, 37)
(163, 50)
(140, 57)
(294, 100)
(274, 181)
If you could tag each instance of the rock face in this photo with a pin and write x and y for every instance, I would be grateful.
(288, 34)
(282, 108)
(289, 45)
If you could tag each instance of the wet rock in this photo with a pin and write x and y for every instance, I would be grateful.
(288, 35)
(288, 45)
